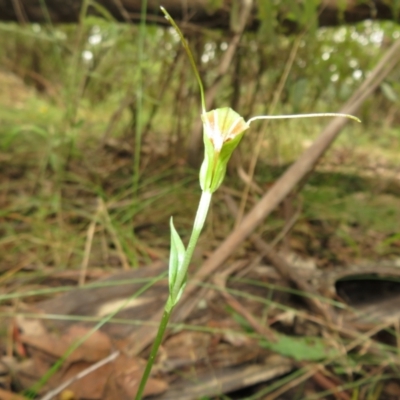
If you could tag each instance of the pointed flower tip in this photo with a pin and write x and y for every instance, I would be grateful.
(223, 125)
(165, 12)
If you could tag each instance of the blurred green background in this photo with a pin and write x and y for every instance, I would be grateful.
(96, 118)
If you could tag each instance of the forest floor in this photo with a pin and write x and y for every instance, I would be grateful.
(77, 238)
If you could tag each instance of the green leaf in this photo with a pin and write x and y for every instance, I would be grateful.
(389, 92)
(177, 277)
(301, 348)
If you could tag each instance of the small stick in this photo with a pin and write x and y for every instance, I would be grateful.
(88, 245)
(114, 236)
(80, 375)
(284, 269)
(220, 281)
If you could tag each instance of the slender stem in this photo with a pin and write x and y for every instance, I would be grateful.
(201, 215)
(190, 55)
(202, 210)
(204, 205)
(153, 353)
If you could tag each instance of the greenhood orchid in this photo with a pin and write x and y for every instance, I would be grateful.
(223, 131)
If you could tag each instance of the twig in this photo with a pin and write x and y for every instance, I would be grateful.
(289, 224)
(116, 115)
(80, 375)
(286, 272)
(323, 381)
(88, 245)
(124, 13)
(122, 256)
(20, 12)
(220, 281)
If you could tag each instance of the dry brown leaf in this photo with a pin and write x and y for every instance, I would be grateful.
(92, 385)
(6, 395)
(95, 348)
(125, 379)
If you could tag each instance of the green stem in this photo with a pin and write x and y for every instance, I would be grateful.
(201, 215)
(190, 55)
(153, 353)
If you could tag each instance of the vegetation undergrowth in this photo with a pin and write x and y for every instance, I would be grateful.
(59, 174)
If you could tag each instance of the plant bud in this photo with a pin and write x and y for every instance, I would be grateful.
(223, 130)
